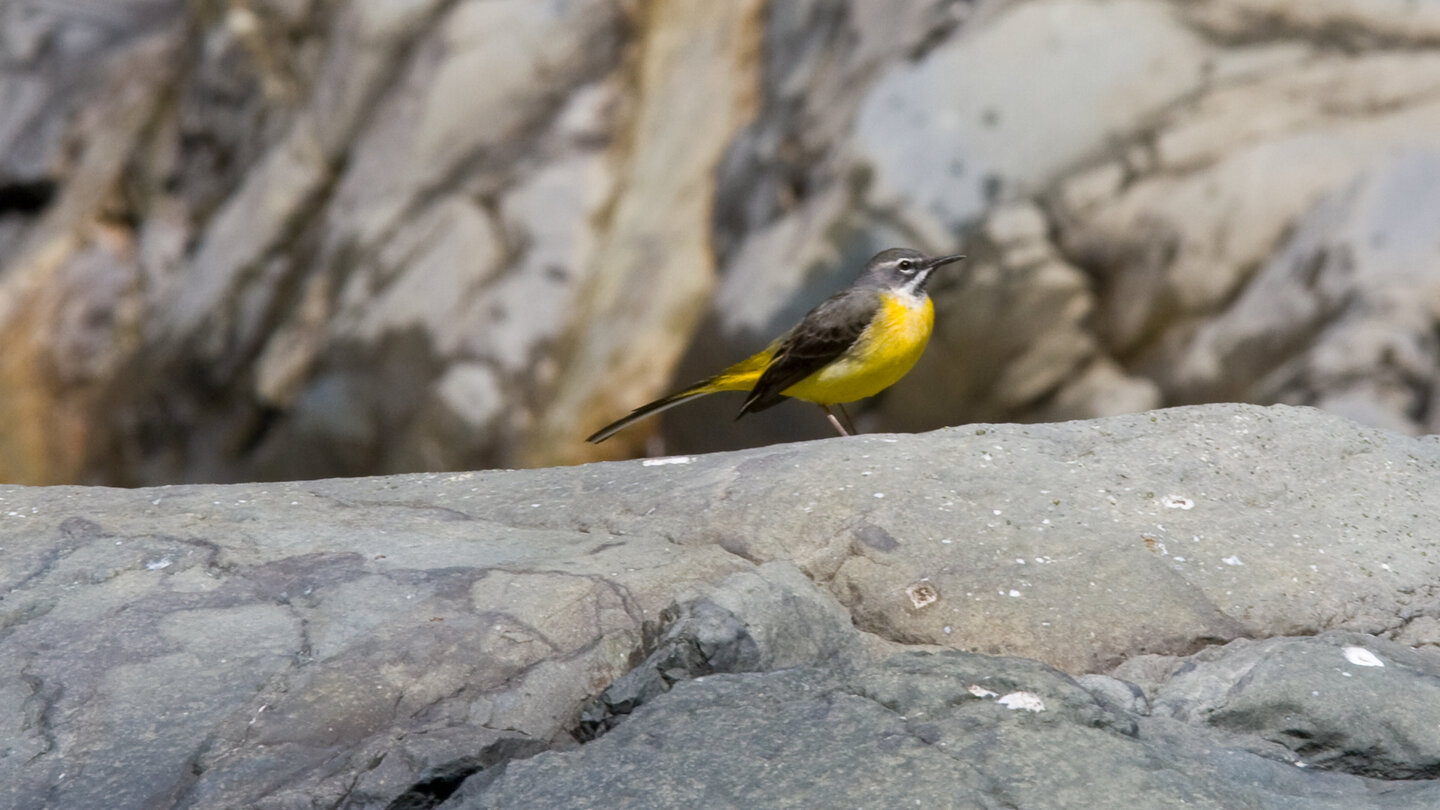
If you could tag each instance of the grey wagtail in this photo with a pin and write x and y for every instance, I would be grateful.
(855, 344)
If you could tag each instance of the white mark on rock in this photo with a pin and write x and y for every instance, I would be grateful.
(660, 462)
(1361, 657)
(156, 565)
(1232, 560)
(922, 594)
(1028, 701)
(1014, 593)
(979, 691)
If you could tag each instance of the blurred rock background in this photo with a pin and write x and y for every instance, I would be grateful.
(260, 239)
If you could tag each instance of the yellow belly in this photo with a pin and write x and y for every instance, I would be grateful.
(885, 352)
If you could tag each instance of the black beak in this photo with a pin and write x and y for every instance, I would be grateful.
(939, 261)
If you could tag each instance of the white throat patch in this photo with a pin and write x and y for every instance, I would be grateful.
(911, 289)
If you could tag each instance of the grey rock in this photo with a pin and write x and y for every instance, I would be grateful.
(353, 642)
(940, 730)
(157, 659)
(1347, 22)
(1123, 695)
(1339, 701)
(1184, 304)
(772, 618)
(1422, 630)
(276, 240)
(965, 127)
(1147, 672)
(732, 729)
(53, 57)
(1339, 317)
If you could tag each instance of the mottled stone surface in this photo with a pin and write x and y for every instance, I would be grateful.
(1343, 315)
(347, 643)
(951, 730)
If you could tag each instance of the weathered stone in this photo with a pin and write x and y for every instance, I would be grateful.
(772, 618)
(942, 730)
(265, 659)
(1421, 631)
(246, 240)
(979, 118)
(1101, 388)
(1126, 697)
(1361, 24)
(1342, 702)
(653, 269)
(363, 641)
(70, 286)
(1343, 315)
(1247, 178)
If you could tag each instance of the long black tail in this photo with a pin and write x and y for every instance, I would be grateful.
(664, 403)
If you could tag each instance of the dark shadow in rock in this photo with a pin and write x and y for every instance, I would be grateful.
(443, 781)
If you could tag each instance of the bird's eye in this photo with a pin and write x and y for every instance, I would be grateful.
(906, 265)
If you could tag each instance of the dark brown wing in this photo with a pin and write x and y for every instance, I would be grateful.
(822, 336)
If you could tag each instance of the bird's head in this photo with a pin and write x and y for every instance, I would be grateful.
(903, 270)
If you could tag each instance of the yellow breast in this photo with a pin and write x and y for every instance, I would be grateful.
(885, 352)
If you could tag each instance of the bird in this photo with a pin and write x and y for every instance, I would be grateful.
(853, 345)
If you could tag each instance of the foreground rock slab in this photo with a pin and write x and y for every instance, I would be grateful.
(404, 641)
(944, 730)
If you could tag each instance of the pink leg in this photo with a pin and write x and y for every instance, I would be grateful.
(836, 422)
